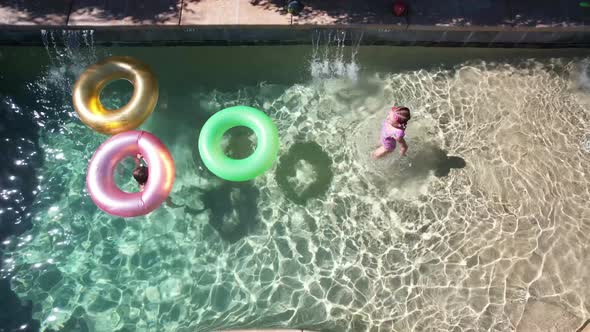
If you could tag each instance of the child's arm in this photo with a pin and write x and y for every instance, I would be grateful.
(403, 146)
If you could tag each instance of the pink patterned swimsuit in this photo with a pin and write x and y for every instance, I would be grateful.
(389, 134)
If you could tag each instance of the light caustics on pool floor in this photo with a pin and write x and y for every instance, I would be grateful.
(387, 246)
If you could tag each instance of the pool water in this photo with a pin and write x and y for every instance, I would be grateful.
(484, 226)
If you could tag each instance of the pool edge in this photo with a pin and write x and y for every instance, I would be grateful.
(395, 35)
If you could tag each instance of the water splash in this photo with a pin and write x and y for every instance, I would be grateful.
(332, 58)
(77, 44)
(69, 51)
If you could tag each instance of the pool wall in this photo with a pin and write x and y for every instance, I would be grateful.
(496, 36)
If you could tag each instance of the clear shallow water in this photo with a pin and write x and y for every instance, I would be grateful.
(484, 227)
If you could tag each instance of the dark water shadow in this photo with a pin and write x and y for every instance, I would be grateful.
(20, 158)
(300, 156)
(233, 209)
(426, 159)
(447, 164)
(233, 206)
(24, 109)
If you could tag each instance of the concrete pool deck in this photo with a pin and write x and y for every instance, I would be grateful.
(501, 23)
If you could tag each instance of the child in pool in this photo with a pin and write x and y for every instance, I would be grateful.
(141, 173)
(393, 132)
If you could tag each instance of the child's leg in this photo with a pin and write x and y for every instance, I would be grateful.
(380, 152)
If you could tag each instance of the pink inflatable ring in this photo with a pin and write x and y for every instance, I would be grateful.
(100, 179)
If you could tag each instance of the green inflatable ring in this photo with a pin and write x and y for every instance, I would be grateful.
(239, 169)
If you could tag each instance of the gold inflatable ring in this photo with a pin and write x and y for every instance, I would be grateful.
(87, 90)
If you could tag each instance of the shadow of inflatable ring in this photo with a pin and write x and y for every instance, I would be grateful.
(311, 155)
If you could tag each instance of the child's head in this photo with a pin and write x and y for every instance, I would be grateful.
(400, 115)
(140, 174)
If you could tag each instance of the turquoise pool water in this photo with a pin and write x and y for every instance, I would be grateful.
(483, 227)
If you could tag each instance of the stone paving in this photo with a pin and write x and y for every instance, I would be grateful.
(455, 13)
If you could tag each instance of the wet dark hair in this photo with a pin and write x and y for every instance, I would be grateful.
(140, 174)
(403, 113)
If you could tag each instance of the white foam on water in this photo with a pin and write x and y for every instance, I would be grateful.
(305, 175)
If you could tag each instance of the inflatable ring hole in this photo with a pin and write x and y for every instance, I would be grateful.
(124, 175)
(112, 199)
(239, 142)
(116, 94)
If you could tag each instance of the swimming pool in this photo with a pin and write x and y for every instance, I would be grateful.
(483, 227)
